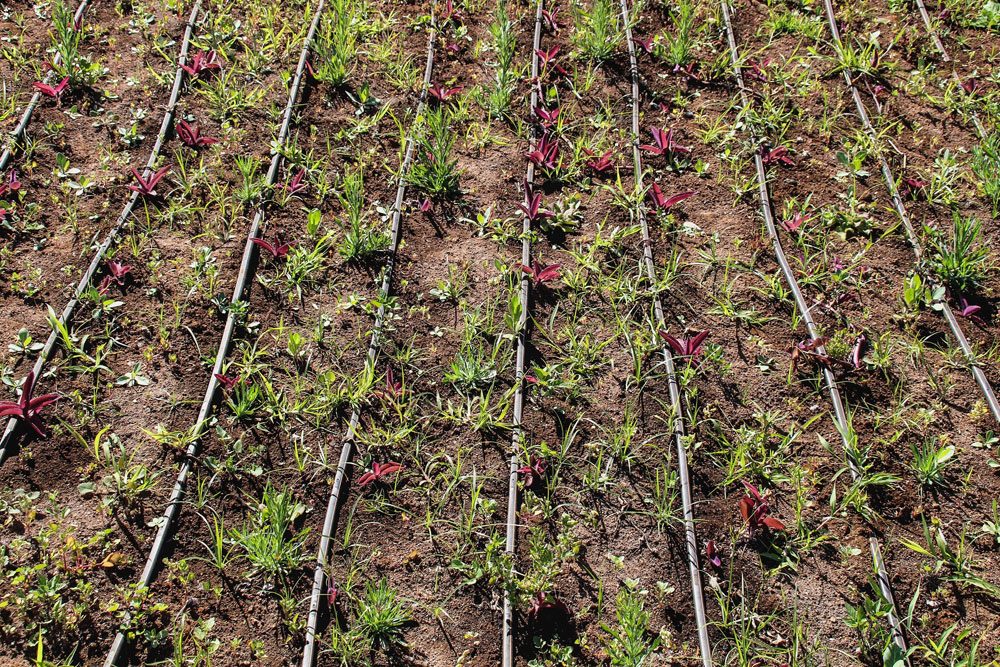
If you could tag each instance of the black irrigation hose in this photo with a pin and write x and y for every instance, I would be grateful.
(17, 134)
(239, 292)
(691, 538)
(939, 45)
(840, 413)
(12, 429)
(507, 632)
(897, 201)
(319, 576)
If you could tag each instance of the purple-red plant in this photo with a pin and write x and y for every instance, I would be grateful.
(970, 311)
(147, 186)
(971, 86)
(296, 184)
(712, 554)
(600, 164)
(12, 184)
(550, 20)
(27, 409)
(533, 474)
(664, 203)
(546, 153)
(378, 473)
(278, 249)
(544, 603)
(689, 71)
(755, 510)
(426, 205)
(664, 144)
(532, 205)
(202, 62)
(540, 274)
(56, 91)
(442, 94)
(796, 222)
(191, 135)
(686, 347)
(913, 188)
(548, 57)
(393, 387)
(547, 117)
(858, 350)
(776, 155)
(116, 275)
(228, 383)
(644, 44)
(757, 70)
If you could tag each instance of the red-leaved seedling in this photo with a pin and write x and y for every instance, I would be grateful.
(970, 311)
(686, 347)
(664, 143)
(755, 510)
(56, 91)
(545, 603)
(547, 117)
(548, 57)
(442, 94)
(860, 343)
(541, 274)
(644, 44)
(532, 205)
(546, 153)
(277, 250)
(426, 205)
(27, 409)
(202, 62)
(147, 186)
(796, 222)
(712, 554)
(297, 183)
(116, 275)
(378, 472)
(971, 86)
(533, 474)
(662, 202)
(12, 184)
(228, 383)
(689, 72)
(756, 71)
(191, 135)
(550, 20)
(599, 164)
(777, 155)
(393, 387)
(913, 187)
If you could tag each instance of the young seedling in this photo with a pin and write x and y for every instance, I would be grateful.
(532, 206)
(663, 203)
(548, 118)
(546, 153)
(296, 184)
(191, 135)
(28, 409)
(202, 62)
(796, 222)
(147, 186)
(442, 94)
(228, 383)
(547, 57)
(278, 249)
(755, 510)
(664, 143)
(777, 155)
(686, 347)
(599, 164)
(116, 275)
(533, 474)
(378, 473)
(12, 185)
(540, 274)
(55, 92)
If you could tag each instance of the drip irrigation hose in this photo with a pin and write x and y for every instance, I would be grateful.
(239, 293)
(691, 538)
(319, 576)
(13, 425)
(840, 413)
(522, 346)
(17, 134)
(897, 201)
(939, 45)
